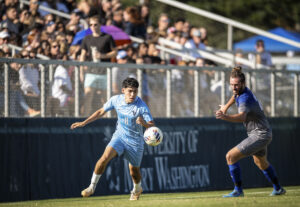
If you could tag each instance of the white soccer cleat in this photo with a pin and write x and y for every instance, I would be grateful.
(135, 196)
(87, 192)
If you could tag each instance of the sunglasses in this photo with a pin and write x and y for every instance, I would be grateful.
(91, 25)
(54, 46)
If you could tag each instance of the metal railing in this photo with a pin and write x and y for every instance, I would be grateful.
(139, 67)
(56, 12)
(231, 23)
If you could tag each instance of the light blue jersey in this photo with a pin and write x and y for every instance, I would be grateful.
(128, 137)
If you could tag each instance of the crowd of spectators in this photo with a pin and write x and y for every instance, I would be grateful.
(40, 32)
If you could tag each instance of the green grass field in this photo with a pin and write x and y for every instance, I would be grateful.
(253, 197)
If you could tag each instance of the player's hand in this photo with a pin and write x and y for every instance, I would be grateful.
(222, 108)
(77, 124)
(140, 121)
(220, 114)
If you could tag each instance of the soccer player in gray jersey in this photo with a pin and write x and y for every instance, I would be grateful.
(259, 133)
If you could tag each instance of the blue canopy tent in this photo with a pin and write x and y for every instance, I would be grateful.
(271, 45)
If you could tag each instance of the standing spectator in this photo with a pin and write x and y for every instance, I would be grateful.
(95, 47)
(35, 14)
(163, 24)
(11, 20)
(134, 24)
(74, 23)
(262, 57)
(62, 89)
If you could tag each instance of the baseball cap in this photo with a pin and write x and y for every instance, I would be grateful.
(77, 12)
(121, 54)
(4, 34)
(50, 23)
(197, 33)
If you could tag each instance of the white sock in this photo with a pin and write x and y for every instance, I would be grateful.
(136, 186)
(94, 180)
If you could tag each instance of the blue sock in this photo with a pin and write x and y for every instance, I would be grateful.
(235, 173)
(272, 177)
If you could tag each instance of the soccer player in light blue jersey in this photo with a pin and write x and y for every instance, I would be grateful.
(133, 114)
(259, 133)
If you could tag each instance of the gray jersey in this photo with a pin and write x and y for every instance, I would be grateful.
(256, 121)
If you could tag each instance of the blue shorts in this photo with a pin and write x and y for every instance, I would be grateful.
(131, 153)
(95, 81)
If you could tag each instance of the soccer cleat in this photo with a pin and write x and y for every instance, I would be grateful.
(135, 196)
(234, 193)
(281, 191)
(87, 192)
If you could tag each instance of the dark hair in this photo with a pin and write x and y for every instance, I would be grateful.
(130, 83)
(260, 43)
(236, 72)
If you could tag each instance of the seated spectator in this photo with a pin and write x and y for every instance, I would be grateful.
(29, 80)
(44, 48)
(194, 44)
(145, 14)
(89, 11)
(120, 73)
(179, 23)
(18, 105)
(203, 35)
(4, 38)
(49, 32)
(163, 24)
(134, 24)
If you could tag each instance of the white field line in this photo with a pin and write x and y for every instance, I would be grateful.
(217, 195)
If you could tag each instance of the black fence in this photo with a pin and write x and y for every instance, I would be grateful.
(43, 158)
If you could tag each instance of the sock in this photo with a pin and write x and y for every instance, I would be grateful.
(94, 180)
(136, 186)
(235, 173)
(272, 177)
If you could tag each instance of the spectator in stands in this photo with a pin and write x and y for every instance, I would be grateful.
(29, 80)
(134, 24)
(62, 90)
(11, 19)
(117, 19)
(4, 38)
(119, 73)
(34, 12)
(203, 35)
(179, 23)
(24, 22)
(18, 105)
(6, 4)
(49, 32)
(44, 48)
(163, 24)
(89, 11)
(194, 44)
(55, 50)
(145, 14)
(95, 47)
(262, 57)
(74, 24)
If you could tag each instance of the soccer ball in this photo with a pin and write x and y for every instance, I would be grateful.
(153, 136)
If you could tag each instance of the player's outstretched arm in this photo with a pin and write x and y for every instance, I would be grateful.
(225, 107)
(240, 117)
(142, 122)
(96, 115)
